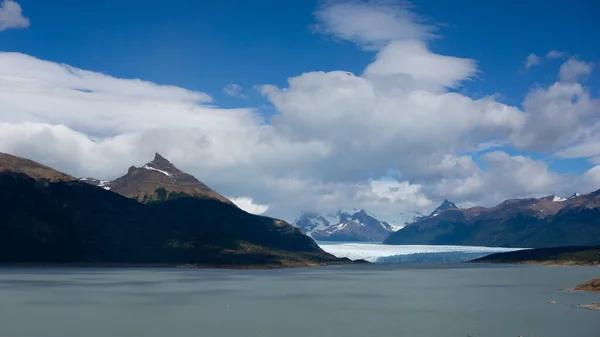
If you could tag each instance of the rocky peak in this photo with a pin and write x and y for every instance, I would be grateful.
(160, 161)
(362, 212)
(446, 205)
(158, 180)
(164, 166)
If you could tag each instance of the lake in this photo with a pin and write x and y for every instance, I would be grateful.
(411, 300)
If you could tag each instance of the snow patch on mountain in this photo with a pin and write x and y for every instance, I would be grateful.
(558, 199)
(148, 167)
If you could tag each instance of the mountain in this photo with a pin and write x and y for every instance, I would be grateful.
(446, 205)
(545, 222)
(50, 217)
(574, 255)
(157, 180)
(10, 163)
(344, 225)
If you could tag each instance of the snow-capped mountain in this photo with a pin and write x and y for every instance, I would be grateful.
(344, 225)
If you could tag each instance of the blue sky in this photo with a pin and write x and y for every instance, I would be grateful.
(203, 46)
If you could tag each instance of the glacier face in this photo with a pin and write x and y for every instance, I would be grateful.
(378, 253)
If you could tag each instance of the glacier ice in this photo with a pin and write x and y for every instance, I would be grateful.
(379, 253)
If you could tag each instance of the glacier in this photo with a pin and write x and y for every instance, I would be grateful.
(379, 253)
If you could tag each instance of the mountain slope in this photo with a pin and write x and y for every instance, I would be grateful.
(533, 223)
(344, 225)
(158, 180)
(74, 222)
(14, 164)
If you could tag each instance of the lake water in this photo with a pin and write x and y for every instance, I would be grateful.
(346, 301)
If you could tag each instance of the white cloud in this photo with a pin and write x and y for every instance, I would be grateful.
(587, 149)
(410, 64)
(234, 90)
(11, 16)
(553, 116)
(517, 176)
(334, 135)
(532, 60)
(573, 70)
(371, 25)
(555, 54)
(248, 205)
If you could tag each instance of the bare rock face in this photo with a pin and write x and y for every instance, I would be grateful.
(158, 180)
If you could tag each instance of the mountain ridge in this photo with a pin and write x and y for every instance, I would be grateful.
(344, 225)
(71, 221)
(530, 222)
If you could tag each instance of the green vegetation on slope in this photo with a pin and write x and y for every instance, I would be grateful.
(73, 222)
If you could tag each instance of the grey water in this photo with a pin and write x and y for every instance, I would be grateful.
(346, 301)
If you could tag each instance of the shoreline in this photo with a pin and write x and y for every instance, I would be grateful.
(551, 263)
(180, 265)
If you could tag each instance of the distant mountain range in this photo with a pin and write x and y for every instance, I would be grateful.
(155, 214)
(355, 224)
(344, 225)
(544, 222)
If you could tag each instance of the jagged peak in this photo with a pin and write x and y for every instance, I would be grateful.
(160, 160)
(448, 203)
(362, 211)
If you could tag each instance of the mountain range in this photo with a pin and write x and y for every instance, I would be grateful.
(532, 223)
(344, 225)
(354, 224)
(155, 214)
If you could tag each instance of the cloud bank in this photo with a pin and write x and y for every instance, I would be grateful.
(395, 139)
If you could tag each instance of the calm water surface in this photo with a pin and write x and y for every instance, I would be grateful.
(345, 301)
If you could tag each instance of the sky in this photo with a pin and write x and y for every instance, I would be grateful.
(291, 106)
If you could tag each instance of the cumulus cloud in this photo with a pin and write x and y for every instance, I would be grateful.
(532, 60)
(11, 15)
(234, 90)
(573, 70)
(518, 176)
(333, 138)
(554, 114)
(248, 205)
